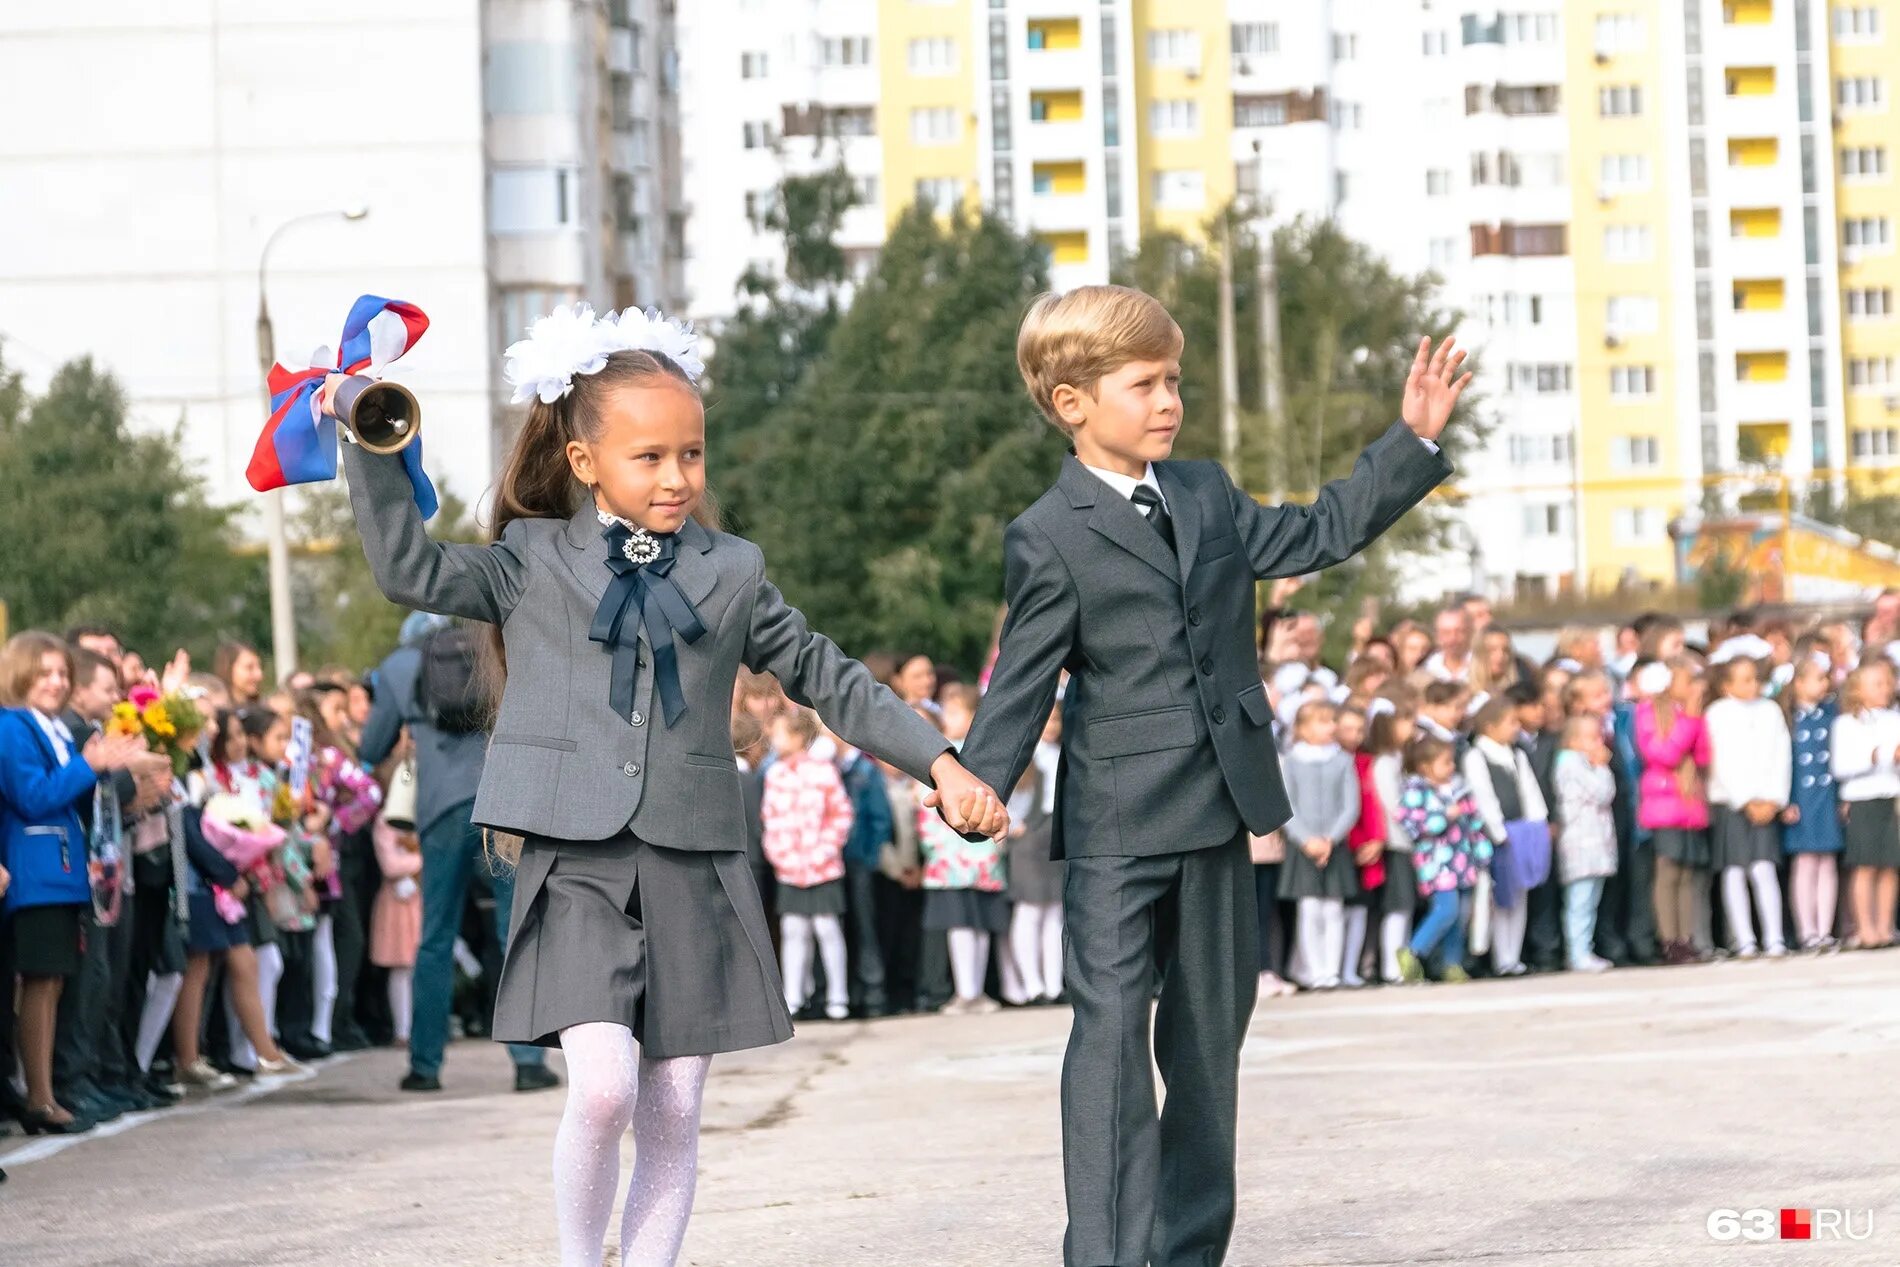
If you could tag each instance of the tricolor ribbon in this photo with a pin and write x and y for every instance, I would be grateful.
(298, 445)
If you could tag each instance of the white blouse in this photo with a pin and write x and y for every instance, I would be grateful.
(1752, 755)
(1863, 756)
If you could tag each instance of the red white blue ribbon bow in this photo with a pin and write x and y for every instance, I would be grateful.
(298, 445)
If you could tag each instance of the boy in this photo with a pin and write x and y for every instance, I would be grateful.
(1137, 575)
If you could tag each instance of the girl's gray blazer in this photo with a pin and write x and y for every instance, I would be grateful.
(561, 762)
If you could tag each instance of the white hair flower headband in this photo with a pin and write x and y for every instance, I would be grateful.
(572, 341)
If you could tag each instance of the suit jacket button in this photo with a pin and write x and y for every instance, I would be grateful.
(1207, 666)
(1194, 616)
(638, 718)
(631, 770)
(1220, 716)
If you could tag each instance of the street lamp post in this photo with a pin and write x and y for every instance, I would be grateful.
(283, 614)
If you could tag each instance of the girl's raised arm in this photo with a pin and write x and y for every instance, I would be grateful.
(479, 582)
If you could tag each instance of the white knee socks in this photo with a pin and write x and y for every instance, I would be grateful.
(270, 968)
(402, 1000)
(161, 996)
(1393, 933)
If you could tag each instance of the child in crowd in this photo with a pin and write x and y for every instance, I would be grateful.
(1392, 729)
(963, 880)
(1812, 822)
(1366, 842)
(1319, 873)
(1442, 714)
(1518, 822)
(1035, 879)
(807, 817)
(1866, 737)
(1450, 850)
(1586, 847)
(1749, 782)
(395, 921)
(1672, 738)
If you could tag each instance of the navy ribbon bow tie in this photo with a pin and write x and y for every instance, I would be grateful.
(643, 588)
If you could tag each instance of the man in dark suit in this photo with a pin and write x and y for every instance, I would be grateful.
(448, 770)
(1137, 574)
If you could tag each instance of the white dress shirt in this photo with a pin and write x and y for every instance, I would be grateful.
(56, 734)
(1127, 486)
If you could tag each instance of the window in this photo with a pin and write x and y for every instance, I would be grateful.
(1869, 373)
(1630, 314)
(1627, 243)
(1869, 303)
(1632, 382)
(1622, 173)
(1259, 112)
(864, 190)
(1179, 47)
(1345, 47)
(752, 65)
(1541, 450)
(1635, 453)
(1256, 39)
(1348, 116)
(1877, 442)
(1620, 101)
(1867, 233)
(1550, 378)
(1619, 33)
(758, 202)
(1180, 190)
(532, 200)
(933, 125)
(1638, 526)
(936, 55)
(1857, 24)
(1442, 252)
(758, 135)
(1437, 182)
(940, 193)
(1864, 161)
(1860, 92)
(1544, 520)
(1177, 117)
(1437, 43)
(846, 50)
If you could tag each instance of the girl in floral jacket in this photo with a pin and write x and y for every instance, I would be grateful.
(807, 817)
(963, 880)
(1449, 848)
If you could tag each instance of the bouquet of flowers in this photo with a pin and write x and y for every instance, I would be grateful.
(169, 723)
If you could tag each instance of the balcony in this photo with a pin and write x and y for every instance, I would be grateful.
(1039, 141)
(1055, 68)
(1062, 214)
(620, 51)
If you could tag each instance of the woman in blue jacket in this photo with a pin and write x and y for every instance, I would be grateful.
(46, 785)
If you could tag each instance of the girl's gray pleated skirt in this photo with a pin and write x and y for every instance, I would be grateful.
(671, 943)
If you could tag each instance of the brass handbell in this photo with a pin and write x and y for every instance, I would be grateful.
(382, 416)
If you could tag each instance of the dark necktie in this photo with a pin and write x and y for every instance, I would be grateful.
(1148, 502)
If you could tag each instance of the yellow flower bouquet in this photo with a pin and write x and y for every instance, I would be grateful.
(168, 723)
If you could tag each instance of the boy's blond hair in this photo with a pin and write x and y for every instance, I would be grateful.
(1079, 337)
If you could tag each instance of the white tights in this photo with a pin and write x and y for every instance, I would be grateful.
(1035, 942)
(323, 978)
(969, 961)
(1741, 928)
(610, 1085)
(1322, 938)
(402, 1000)
(1395, 927)
(795, 933)
(1816, 892)
(1507, 934)
(161, 996)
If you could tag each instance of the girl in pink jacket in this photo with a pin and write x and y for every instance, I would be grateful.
(1673, 740)
(807, 817)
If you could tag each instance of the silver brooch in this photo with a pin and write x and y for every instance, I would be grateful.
(641, 547)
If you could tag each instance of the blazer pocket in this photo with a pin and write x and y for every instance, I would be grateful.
(1130, 734)
(537, 741)
(1220, 547)
(1253, 702)
(717, 763)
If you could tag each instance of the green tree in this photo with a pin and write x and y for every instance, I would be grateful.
(880, 485)
(106, 525)
(1349, 326)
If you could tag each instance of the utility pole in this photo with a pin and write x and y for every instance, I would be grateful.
(1272, 386)
(1229, 357)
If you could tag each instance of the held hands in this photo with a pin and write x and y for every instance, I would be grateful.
(1319, 849)
(1369, 853)
(1433, 387)
(965, 801)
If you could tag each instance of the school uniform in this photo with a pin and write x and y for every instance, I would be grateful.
(45, 786)
(612, 758)
(1323, 786)
(1751, 760)
(1868, 781)
(1818, 829)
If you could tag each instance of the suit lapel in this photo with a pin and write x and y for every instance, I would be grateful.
(586, 553)
(1185, 509)
(1116, 518)
(693, 569)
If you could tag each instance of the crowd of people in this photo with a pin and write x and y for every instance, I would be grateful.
(1458, 810)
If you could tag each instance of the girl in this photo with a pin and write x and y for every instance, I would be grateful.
(1586, 848)
(807, 817)
(395, 922)
(1366, 842)
(46, 786)
(1866, 735)
(1450, 848)
(1391, 731)
(241, 669)
(340, 803)
(295, 906)
(1672, 739)
(1319, 873)
(1812, 835)
(963, 880)
(1517, 819)
(1749, 776)
(1035, 879)
(637, 941)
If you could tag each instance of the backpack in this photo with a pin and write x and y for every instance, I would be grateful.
(449, 692)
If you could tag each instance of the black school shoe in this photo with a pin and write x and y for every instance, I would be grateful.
(535, 1078)
(414, 1081)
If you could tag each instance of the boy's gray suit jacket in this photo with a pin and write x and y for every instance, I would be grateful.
(561, 762)
(1167, 742)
